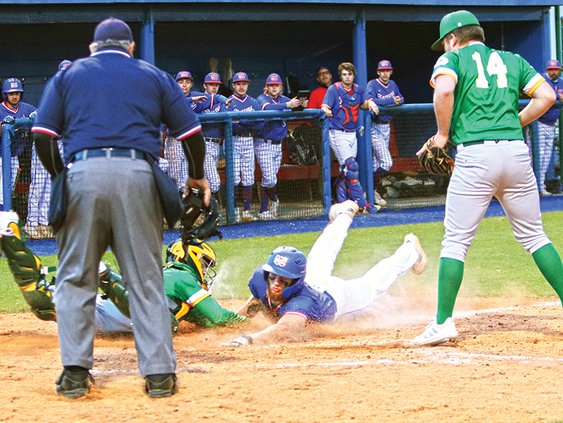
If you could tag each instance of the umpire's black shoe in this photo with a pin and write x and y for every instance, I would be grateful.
(74, 384)
(161, 386)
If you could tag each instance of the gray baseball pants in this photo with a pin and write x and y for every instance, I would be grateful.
(113, 202)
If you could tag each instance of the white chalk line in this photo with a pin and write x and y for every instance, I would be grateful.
(502, 309)
(431, 355)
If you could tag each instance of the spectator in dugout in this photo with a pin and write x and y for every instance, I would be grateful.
(324, 78)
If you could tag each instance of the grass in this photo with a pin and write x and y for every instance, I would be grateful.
(496, 264)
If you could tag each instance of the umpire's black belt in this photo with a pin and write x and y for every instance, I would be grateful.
(110, 152)
(243, 134)
(214, 140)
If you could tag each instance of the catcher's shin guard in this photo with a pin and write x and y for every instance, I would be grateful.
(356, 193)
(112, 286)
(26, 270)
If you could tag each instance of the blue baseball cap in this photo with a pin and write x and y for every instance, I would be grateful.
(274, 79)
(240, 77)
(384, 65)
(553, 64)
(212, 78)
(64, 64)
(184, 75)
(113, 29)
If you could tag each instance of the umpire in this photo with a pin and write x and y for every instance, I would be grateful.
(108, 108)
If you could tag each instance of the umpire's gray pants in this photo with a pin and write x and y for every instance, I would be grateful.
(113, 202)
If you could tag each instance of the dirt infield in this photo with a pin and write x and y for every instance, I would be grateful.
(507, 366)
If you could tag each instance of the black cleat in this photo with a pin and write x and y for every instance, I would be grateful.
(161, 386)
(74, 384)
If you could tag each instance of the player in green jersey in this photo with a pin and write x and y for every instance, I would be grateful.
(476, 92)
(188, 276)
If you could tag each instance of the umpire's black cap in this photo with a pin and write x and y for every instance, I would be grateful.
(113, 29)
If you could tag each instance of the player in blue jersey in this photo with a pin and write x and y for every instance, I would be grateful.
(342, 104)
(13, 106)
(384, 92)
(267, 145)
(243, 142)
(295, 290)
(112, 197)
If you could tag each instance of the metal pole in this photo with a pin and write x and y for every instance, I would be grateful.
(230, 173)
(558, 39)
(326, 159)
(364, 154)
(147, 38)
(7, 131)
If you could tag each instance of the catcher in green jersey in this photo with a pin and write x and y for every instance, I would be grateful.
(188, 276)
(476, 91)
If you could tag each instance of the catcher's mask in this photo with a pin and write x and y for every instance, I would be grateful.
(290, 263)
(198, 255)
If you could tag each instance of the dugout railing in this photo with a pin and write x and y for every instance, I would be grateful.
(305, 184)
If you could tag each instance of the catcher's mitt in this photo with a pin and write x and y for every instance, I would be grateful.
(194, 209)
(436, 160)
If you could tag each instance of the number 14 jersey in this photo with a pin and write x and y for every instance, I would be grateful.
(488, 85)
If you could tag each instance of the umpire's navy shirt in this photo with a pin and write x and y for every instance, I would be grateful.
(113, 100)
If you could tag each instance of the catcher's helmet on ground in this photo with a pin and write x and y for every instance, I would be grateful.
(11, 85)
(198, 255)
(287, 262)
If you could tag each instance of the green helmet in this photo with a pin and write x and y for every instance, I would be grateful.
(453, 21)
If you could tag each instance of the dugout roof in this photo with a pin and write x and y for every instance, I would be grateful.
(289, 37)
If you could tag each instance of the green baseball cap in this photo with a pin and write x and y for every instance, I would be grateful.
(453, 21)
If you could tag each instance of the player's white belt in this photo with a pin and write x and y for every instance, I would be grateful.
(343, 130)
(214, 140)
(267, 141)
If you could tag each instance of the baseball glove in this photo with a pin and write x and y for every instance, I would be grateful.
(209, 218)
(436, 160)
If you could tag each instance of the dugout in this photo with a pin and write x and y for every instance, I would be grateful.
(288, 37)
